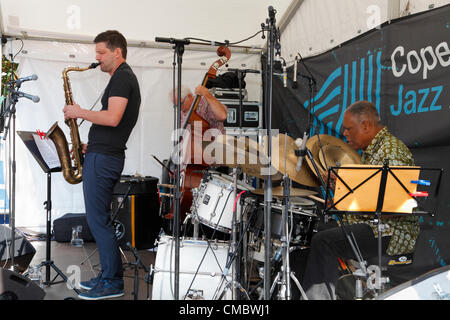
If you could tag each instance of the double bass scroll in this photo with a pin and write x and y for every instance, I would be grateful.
(224, 53)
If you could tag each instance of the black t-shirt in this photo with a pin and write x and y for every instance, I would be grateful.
(112, 140)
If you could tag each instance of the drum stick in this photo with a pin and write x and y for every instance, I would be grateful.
(316, 198)
(166, 194)
(171, 186)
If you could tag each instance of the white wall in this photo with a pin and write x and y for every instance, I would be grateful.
(151, 135)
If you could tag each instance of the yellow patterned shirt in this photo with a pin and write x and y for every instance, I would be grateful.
(403, 229)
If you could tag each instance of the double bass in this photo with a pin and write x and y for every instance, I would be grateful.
(192, 173)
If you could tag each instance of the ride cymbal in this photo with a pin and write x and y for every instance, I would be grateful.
(335, 152)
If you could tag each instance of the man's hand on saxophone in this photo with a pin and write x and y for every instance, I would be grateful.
(83, 150)
(72, 111)
(111, 116)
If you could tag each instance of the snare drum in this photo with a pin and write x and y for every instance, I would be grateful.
(201, 269)
(213, 201)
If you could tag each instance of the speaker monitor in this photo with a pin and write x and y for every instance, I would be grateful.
(14, 286)
(137, 221)
(23, 250)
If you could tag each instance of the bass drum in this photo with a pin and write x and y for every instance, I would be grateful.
(201, 268)
(433, 285)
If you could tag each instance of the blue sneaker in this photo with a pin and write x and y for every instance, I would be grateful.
(103, 290)
(91, 284)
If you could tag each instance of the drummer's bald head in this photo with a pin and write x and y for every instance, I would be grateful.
(365, 110)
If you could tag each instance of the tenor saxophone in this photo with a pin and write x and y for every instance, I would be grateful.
(72, 173)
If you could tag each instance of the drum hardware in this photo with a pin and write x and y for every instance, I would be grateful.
(225, 284)
(148, 271)
(234, 246)
(285, 273)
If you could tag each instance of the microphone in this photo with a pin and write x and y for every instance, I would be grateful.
(243, 70)
(172, 40)
(272, 12)
(20, 80)
(35, 99)
(294, 82)
(284, 74)
(301, 152)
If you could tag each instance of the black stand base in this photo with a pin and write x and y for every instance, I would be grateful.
(48, 264)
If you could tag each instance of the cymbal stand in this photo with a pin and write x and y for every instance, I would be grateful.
(272, 41)
(285, 292)
(230, 261)
(236, 220)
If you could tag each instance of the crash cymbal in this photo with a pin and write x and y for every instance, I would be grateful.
(335, 152)
(293, 192)
(284, 158)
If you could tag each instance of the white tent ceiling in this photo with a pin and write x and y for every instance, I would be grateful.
(138, 20)
(308, 26)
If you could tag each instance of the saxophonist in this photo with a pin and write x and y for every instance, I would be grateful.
(105, 156)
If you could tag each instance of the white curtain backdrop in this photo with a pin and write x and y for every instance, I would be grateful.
(151, 136)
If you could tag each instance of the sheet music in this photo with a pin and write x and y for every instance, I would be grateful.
(48, 151)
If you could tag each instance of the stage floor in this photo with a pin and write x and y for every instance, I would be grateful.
(74, 261)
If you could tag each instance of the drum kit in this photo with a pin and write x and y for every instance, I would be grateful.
(230, 206)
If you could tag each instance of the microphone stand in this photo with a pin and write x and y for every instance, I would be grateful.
(272, 39)
(179, 50)
(11, 110)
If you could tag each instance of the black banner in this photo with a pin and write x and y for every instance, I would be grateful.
(403, 68)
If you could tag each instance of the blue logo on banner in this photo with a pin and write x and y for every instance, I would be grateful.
(359, 80)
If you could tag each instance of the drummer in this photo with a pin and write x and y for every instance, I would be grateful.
(364, 131)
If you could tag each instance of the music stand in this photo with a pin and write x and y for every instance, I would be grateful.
(393, 190)
(28, 138)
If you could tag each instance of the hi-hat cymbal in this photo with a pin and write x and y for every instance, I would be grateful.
(293, 192)
(335, 152)
(284, 158)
